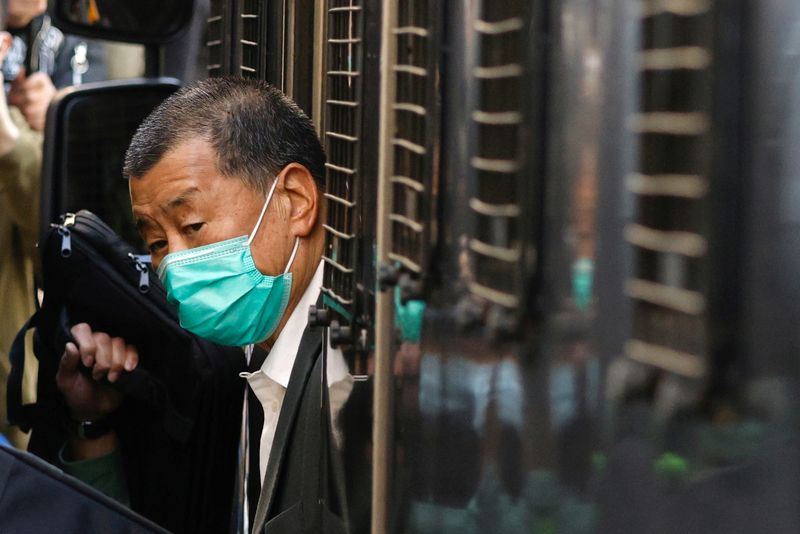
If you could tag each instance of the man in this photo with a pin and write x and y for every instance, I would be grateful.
(20, 163)
(226, 183)
(42, 59)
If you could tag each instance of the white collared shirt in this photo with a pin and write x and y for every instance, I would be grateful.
(270, 382)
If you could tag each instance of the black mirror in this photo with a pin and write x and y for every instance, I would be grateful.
(87, 133)
(142, 21)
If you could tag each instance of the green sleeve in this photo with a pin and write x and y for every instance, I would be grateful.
(105, 474)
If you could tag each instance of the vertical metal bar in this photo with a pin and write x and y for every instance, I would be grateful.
(384, 312)
(152, 61)
(289, 42)
(318, 77)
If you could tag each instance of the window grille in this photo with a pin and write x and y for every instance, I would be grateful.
(217, 40)
(342, 141)
(669, 288)
(415, 139)
(251, 19)
(503, 197)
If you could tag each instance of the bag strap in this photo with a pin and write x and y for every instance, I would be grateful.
(138, 384)
(20, 415)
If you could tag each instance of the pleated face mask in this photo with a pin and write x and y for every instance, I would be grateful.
(220, 293)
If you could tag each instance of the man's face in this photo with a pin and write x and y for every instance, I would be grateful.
(21, 12)
(183, 202)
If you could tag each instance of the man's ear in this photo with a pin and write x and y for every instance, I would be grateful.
(301, 189)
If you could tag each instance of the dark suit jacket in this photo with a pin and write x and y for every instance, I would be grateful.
(303, 489)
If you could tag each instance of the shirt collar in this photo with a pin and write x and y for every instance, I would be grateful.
(280, 361)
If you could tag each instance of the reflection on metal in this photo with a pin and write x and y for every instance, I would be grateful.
(670, 123)
(499, 253)
(513, 24)
(685, 243)
(674, 361)
(412, 117)
(675, 298)
(494, 210)
(507, 166)
(684, 57)
(670, 283)
(497, 118)
(675, 185)
(687, 8)
(497, 72)
(498, 163)
(507, 300)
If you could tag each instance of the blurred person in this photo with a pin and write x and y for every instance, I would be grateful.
(43, 59)
(226, 180)
(20, 163)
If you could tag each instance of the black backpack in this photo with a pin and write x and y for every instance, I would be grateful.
(180, 421)
(37, 497)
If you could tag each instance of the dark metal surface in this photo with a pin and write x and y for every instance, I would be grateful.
(652, 385)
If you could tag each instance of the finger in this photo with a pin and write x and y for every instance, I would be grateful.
(69, 361)
(20, 79)
(40, 82)
(103, 355)
(83, 336)
(35, 117)
(131, 358)
(37, 79)
(118, 356)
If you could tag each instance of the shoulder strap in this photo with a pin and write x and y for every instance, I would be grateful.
(22, 416)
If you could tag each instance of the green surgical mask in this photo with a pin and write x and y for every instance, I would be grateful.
(220, 293)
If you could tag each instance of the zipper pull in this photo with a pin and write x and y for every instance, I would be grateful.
(144, 274)
(144, 281)
(66, 242)
(68, 219)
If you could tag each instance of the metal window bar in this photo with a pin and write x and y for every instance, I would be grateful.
(343, 145)
(414, 131)
(218, 38)
(669, 285)
(249, 45)
(498, 163)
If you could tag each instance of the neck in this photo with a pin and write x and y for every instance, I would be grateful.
(303, 270)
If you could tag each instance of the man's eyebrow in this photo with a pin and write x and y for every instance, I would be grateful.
(181, 199)
(142, 224)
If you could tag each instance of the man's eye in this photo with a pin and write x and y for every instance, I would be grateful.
(194, 227)
(155, 246)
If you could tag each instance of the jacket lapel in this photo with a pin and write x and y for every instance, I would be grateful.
(307, 353)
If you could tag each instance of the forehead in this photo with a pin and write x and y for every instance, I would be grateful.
(183, 175)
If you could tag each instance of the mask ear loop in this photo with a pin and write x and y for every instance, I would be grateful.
(294, 253)
(263, 211)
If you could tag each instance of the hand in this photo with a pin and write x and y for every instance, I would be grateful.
(32, 95)
(88, 398)
(22, 12)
